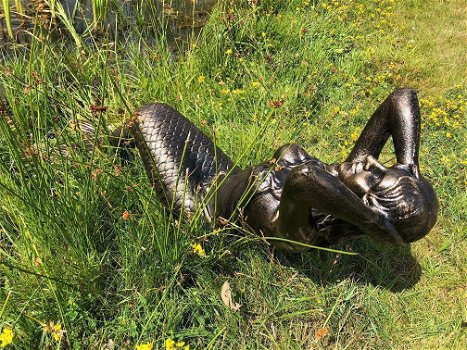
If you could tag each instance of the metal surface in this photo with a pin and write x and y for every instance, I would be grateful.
(296, 196)
(180, 160)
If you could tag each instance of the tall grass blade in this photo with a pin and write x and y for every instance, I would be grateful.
(99, 12)
(56, 7)
(19, 7)
(6, 10)
(309, 245)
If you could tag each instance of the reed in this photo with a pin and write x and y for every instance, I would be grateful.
(89, 258)
(7, 14)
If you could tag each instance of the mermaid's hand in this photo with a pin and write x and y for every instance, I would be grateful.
(382, 230)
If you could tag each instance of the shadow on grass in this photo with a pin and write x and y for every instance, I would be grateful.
(392, 268)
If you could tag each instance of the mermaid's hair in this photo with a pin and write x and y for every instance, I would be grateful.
(410, 205)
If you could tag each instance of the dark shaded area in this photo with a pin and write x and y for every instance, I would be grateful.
(392, 268)
(378, 264)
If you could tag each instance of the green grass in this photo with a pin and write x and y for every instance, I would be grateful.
(69, 256)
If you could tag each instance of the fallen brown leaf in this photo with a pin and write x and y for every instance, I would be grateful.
(226, 296)
(321, 333)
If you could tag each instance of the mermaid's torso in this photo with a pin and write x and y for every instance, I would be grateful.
(190, 174)
(260, 208)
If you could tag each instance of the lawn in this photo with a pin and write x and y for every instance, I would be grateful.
(91, 260)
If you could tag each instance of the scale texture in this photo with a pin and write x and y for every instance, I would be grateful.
(180, 160)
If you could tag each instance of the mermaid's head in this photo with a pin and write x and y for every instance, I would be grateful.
(405, 197)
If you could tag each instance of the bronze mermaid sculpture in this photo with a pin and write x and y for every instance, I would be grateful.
(294, 197)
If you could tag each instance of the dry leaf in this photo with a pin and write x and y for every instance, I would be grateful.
(126, 215)
(321, 333)
(110, 345)
(95, 174)
(226, 296)
(117, 170)
(29, 151)
(277, 103)
(95, 108)
(223, 221)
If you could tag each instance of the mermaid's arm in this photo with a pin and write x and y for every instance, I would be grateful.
(311, 186)
(398, 116)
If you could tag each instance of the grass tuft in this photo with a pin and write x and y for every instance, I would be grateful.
(90, 258)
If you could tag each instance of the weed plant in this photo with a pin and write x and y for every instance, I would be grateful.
(91, 260)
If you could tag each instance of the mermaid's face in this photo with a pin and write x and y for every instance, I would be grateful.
(405, 197)
(363, 177)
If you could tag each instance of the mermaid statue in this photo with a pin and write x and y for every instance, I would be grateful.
(294, 199)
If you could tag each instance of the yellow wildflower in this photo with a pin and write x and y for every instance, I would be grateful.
(182, 345)
(237, 91)
(344, 154)
(225, 92)
(446, 160)
(55, 329)
(354, 136)
(145, 346)
(169, 344)
(335, 110)
(197, 249)
(255, 84)
(201, 79)
(57, 332)
(6, 337)
(229, 52)
(263, 34)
